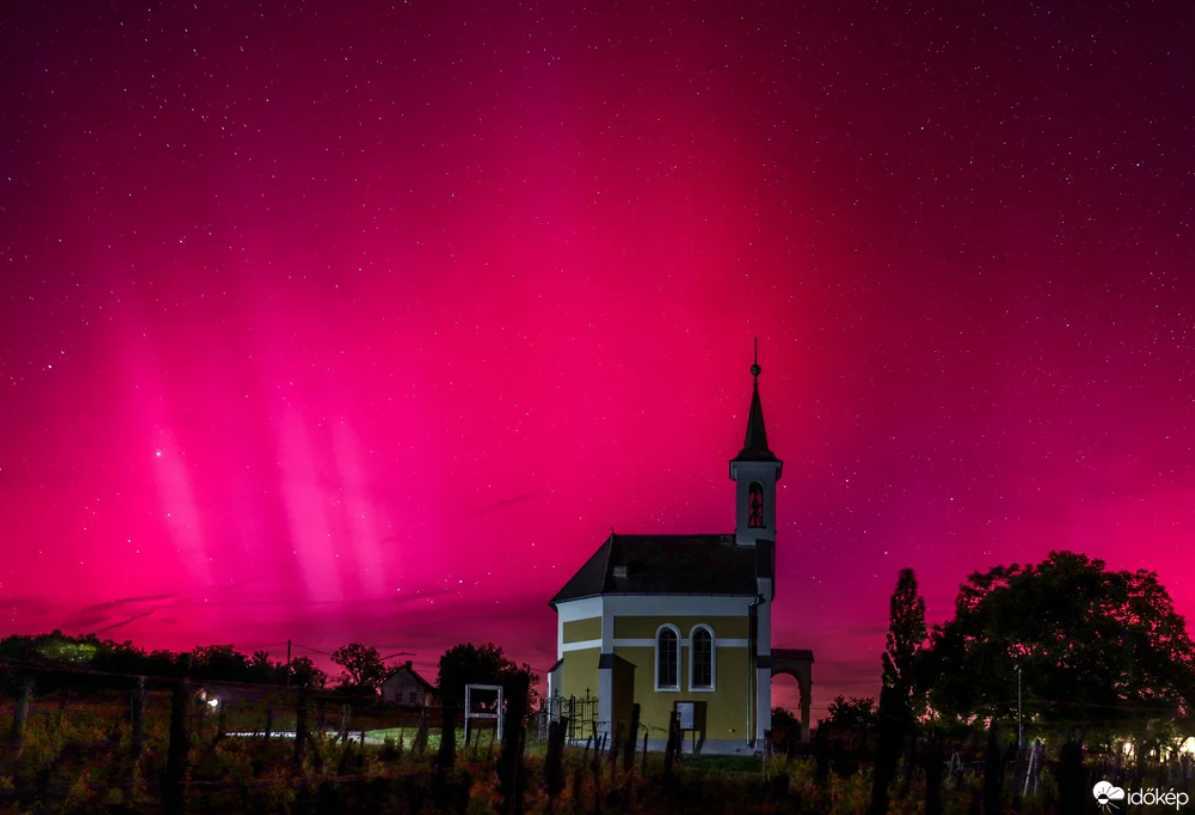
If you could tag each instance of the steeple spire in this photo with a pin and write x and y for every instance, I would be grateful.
(755, 471)
(755, 444)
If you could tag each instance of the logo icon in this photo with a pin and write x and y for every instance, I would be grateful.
(1107, 795)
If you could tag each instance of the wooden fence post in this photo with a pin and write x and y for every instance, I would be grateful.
(300, 730)
(419, 745)
(511, 774)
(628, 756)
(554, 762)
(643, 768)
(446, 758)
(993, 772)
(673, 743)
(174, 786)
(346, 711)
(137, 717)
(269, 723)
(20, 714)
(596, 766)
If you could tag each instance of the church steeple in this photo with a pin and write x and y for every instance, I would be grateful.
(755, 444)
(755, 470)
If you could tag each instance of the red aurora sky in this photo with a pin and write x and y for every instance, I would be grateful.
(333, 324)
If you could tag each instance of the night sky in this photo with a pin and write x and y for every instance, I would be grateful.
(371, 324)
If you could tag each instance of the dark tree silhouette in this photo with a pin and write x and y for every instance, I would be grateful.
(786, 730)
(1089, 643)
(856, 713)
(206, 662)
(906, 636)
(363, 668)
(900, 661)
(304, 674)
(479, 664)
(219, 662)
(894, 721)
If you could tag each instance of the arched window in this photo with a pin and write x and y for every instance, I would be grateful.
(755, 505)
(701, 658)
(667, 658)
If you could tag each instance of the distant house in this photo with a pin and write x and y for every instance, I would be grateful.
(404, 686)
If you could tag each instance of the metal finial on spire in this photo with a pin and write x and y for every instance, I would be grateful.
(755, 445)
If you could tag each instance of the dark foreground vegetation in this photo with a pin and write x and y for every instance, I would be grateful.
(94, 754)
(1050, 678)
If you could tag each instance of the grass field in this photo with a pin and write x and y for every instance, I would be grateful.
(77, 757)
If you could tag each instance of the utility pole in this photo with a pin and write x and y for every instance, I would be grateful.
(1020, 724)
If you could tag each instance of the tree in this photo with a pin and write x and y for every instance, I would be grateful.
(786, 729)
(262, 668)
(304, 674)
(900, 660)
(906, 635)
(1090, 644)
(479, 664)
(856, 713)
(219, 662)
(364, 670)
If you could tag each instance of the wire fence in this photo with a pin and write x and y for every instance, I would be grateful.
(219, 739)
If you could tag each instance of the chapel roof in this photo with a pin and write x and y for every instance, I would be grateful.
(702, 565)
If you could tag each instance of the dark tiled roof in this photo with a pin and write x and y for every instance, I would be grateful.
(670, 564)
(419, 680)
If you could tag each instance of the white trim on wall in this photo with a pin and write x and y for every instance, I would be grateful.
(729, 642)
(655, 661)
(582, 645)
(581, 609)
(570, 611)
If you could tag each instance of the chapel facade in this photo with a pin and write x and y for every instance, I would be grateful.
(684, 622)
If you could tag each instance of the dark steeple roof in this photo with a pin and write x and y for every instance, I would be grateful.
(755, 445)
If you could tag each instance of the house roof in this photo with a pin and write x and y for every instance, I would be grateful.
(407, 669)
(671, 564)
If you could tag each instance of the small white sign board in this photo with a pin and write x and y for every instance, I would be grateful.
(496, 714)
(685, 713)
